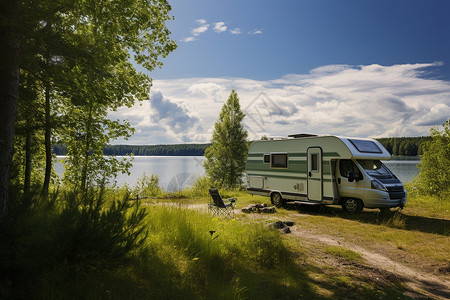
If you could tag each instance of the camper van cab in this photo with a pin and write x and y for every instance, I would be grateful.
(316, 170)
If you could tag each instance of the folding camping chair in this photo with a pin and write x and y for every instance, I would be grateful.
(220, 207)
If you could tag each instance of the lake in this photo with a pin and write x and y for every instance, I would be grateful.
(177, 172)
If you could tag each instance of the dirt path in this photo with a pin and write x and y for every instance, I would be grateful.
(421, 284)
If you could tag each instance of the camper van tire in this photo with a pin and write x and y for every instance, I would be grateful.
(277, 200)
(352, 205)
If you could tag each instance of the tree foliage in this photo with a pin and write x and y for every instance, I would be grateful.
(404, 146)
(225, 158)
(75, 68)
(434, 176)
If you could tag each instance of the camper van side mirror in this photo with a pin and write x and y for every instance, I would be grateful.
(350, 176)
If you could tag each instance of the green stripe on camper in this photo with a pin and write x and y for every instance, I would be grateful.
(297, 166)
(293, 154)
(278, 175)
(256, 154)
(293, 167)
(284, 176)
(297, 154)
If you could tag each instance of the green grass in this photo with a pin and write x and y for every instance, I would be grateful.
(220, 258)
(344, 253)
(189, 254)
(428, 206)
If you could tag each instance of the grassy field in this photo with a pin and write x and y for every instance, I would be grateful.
(417, 236)
(190, 254)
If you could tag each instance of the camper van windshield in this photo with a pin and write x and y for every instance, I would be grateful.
(374, 167)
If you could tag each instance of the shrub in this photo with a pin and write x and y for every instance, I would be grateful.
(200, 187)
(49, 248)
(147, 186)
(434, 177)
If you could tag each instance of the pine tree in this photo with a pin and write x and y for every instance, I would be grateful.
(225, 158)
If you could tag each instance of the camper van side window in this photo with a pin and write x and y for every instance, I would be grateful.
(346, 165)
(315, 162)
(279, 160)
(266, 158)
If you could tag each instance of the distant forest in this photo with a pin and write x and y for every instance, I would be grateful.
(149, 150)
(403, 146)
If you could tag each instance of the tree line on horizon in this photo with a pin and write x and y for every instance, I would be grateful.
(397, 146)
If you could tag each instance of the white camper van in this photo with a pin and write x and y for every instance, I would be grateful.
(314, 169)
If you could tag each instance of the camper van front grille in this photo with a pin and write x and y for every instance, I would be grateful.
(396, 192)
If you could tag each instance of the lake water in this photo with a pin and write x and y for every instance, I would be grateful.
(177, 172)
(405, 168)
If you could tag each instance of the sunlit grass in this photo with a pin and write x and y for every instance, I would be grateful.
(344, 253)
(429, 206)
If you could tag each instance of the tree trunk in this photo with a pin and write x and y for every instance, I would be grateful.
(87, 145)
(9, 91)
(28, 145)
(47, 141)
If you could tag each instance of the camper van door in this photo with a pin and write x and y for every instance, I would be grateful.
(314, 174)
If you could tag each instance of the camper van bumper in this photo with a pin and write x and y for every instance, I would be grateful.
(380, 199)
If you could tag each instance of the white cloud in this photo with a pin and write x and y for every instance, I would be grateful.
(189, 39)
(256, 31)
(220, 27)
(197, 31)
(235, 31)
(201, 29)
(360, 101)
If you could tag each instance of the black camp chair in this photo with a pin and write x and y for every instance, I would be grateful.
(220, 207)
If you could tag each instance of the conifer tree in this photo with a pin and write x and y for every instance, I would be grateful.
(225, 158)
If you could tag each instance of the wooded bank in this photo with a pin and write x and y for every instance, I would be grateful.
(404, 146)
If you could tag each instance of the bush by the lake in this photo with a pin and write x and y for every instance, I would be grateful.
(49, 248)
(434, 176)
(147, 186)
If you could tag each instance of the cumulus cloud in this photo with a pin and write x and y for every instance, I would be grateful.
(255, 31)
(189, 39)
(359, 101)
(220, 27)
(235, 31)
(200, 29)
(203, 27)
(170, 113)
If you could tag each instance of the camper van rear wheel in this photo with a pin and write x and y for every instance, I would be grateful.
(277, 200)
(352, 205)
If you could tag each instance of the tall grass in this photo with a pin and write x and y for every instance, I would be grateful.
(216, 258)
(106, 247)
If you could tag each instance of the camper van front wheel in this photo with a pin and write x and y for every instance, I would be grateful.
(277, 200)
(352, 205)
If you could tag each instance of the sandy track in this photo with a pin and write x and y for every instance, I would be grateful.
(421, 284)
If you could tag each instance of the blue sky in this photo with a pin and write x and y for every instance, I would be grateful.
(297, 36)
(355, 68)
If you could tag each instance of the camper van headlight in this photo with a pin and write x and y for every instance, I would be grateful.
(376, 185)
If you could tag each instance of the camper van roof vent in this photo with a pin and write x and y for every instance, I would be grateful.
(301, 135)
